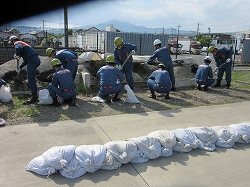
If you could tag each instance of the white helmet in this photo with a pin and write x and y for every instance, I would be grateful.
(208, 58)
(157, 41)
(11, 39)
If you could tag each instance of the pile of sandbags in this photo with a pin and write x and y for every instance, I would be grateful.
(73, 161)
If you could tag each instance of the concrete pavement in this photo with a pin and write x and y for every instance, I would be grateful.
(223, 167)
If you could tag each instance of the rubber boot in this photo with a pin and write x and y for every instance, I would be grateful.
(228, 85)
(33, 99)
(115, 98)
(205, 88)
(56, 102)
(217, 84)
(153, 96)
(199, 87)
(173, 87)
(73, 101)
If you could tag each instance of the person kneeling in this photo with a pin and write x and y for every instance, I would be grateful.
(62, 84)
(110, 80)
(204, 75)
(159, 81)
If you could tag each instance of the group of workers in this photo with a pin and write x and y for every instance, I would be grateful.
(118, 67)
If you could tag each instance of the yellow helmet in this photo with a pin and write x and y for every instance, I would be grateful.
(118, 41)
(55, 62)
(161, 65)
(110, 59)
(49, 51)
(210, 49)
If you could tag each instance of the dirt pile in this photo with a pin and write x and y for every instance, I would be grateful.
(18, 81)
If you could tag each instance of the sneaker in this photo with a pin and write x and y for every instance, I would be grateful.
(116, 99)
(152, 96)
(199, 87)
(108, 99)
(167, 97)
(210, 88)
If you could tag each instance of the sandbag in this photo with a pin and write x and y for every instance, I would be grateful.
(110, 162)
(73, 169)
(40, 166)
(165, 137)
(44, 97)
(123, 151)
(98, 99)
(5, 94)
(90, 157)
(185, 140)
(148, 145)
(244, 131)
(207, 137)
(139, 158)
(131, 98)
(227, 136)
(59, 156)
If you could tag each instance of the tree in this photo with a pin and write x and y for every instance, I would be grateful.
(205, 40)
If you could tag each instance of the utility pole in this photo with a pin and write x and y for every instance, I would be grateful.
(208, 43)
(198, 28)
(66, 34)
(177, 42)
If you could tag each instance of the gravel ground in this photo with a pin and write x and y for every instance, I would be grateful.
(184, 97)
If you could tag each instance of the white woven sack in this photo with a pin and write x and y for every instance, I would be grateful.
(139, 158)
(165, 137)
(5, 94)
(90, 157)
(59, 156)
(73, 169)
(207, 137)
(227, 136)
(123, 151)
(244, 131)
(131, 98)
(148, 145)
(110, 162)
(185, 140)
(39, 166)
(44, 97)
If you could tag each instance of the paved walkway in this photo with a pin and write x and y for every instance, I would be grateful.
(223, 167)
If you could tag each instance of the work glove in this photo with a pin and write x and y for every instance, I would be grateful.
(16, 57)
(133, 51)
(216, 68)
(119, 67)
(228, 60)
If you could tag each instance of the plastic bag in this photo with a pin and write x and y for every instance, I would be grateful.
(131, 98)
(5, 94)
(44, 97)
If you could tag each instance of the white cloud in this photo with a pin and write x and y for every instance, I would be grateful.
(219, 15)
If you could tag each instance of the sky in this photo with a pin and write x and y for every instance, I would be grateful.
(191, 15)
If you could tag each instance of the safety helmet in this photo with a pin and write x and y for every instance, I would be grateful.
(55, 62)
(208, 58)
(118, 41)
(161, 65)
(210, 49)
(49, 51)
(157, 41)
(11, 39)
(110, 59)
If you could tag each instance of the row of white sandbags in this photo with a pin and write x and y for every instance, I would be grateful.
(74, 161)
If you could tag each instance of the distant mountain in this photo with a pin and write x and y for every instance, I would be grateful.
(128, 27)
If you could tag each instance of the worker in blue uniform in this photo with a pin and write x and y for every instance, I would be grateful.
(159, 81)
(162, 54)
(204, 75)
(62, 84)
(68, 58)
(122, 51)
(110, 80)
(223, 59)
(31, 60)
